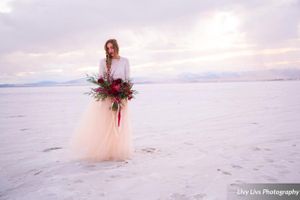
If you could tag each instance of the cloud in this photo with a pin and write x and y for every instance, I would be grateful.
(272, 23)
(166, 36)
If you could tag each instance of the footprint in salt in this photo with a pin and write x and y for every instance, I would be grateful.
(178, 196)
(256, 149)
(267, 149)
(35, 171)
(199, 196)
(38, 172)
(269, 160)
(51, 149)
(236, 166)
(149, 150)
(234, 186)
(78, 181)
(14, 116)
(91, 166)
(283, 172)
(269, 178)
(224, 172)
(257, 167)
(114, 176)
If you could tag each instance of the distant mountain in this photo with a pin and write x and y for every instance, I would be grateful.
(40, 83)
(76, 81)
(210, 76)
(73, 82)
(264, 75)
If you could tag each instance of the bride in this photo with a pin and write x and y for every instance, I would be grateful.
(96, 136)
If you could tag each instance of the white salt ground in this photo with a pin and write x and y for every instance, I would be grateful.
(191, 142)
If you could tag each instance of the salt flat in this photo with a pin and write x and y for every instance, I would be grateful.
(191, 141)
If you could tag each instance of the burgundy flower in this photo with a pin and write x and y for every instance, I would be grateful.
(116, 88)
(101, 80)
(117, 81)
(109, 92)
(125, 84)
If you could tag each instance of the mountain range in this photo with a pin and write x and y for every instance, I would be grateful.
(210, 76)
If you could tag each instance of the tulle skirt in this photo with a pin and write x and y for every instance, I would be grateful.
(97, 136)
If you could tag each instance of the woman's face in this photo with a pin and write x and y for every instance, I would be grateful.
(111, 49)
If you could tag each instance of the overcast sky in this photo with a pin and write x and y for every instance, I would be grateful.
(64, 39)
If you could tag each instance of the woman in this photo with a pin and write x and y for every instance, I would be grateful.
(98, 137)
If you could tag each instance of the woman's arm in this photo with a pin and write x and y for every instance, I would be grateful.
(127, 70)
(101, 68)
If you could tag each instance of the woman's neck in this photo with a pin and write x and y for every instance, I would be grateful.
(116, 57)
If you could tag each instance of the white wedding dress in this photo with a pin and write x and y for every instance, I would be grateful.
(97, 136)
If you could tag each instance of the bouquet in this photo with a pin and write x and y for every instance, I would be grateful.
(117, 90)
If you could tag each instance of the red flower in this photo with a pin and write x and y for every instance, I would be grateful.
(109, 92)
(116, 88)
(117, 81)
(101, 80)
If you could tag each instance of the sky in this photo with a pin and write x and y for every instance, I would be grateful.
(64, 39)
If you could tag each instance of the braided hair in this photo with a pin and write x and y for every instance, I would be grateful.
(108, 57)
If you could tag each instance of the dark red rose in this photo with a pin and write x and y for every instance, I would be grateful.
(100, 80)
(116, 88)
(117, 81)
(125, 84)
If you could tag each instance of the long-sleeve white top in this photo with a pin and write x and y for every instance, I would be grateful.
(120, 68)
